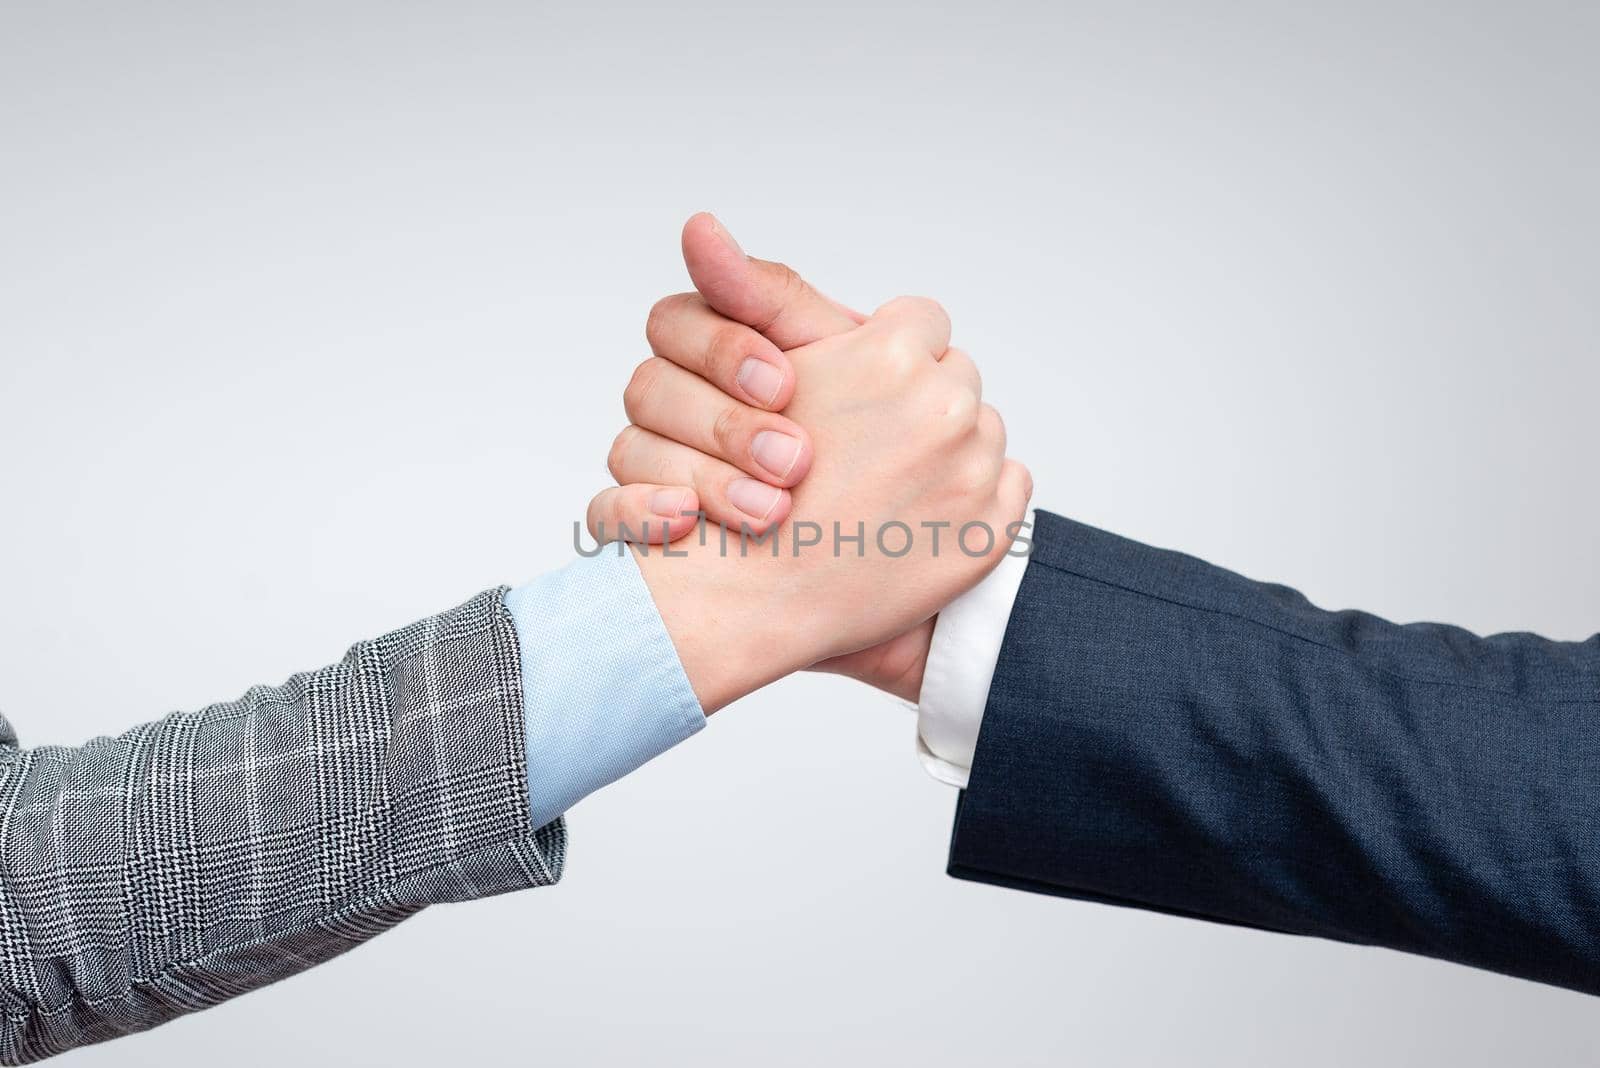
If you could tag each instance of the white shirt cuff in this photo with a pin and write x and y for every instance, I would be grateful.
(961, 662)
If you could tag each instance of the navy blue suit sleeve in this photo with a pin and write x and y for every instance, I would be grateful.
(1165, 734)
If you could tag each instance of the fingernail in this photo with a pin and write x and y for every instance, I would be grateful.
(760, 380)
(668, 502)
(776, 452)
(753, 498)
(727, 238)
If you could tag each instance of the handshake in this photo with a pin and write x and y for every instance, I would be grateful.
(802, 486)
(827, 536)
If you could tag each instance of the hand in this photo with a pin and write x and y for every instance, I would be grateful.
(903, 443)
(787, 311)
(702, 431)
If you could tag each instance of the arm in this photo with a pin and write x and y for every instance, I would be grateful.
(197, 858)
(213, 852)
(1166, 734)
(1162, 733)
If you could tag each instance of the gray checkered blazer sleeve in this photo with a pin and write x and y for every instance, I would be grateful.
(213, 852)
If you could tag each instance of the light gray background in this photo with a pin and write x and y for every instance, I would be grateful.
(314, 318)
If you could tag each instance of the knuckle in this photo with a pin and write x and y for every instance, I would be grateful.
(961, 411)
(1026, 476)
(621, 448)
(788, 276)
(662, 313)
(728, 430)
(655, 322)
(962, 360)
(976, 474)
(901, 355)
(903, 334)
(597, 514)
(793, 284)
(728, 349)
(991, 426)
(642, 386)
(920, 307)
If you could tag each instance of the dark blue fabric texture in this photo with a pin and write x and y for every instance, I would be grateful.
(1165, 734)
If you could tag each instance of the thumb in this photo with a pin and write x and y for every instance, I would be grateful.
(768, 297)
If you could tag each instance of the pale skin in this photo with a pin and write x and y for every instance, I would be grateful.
(882, 421)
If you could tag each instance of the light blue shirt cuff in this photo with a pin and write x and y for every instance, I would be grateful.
(603, 690)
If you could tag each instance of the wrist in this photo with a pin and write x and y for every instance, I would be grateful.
(904, 661)
(896, 666)
(723, 615)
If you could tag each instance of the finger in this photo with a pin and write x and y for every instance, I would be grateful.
(767, 297)
(643, 513)
(920, 319)
(725, 493)
(956, 362)
(729, 355)
(1009, 508)
(665, 398)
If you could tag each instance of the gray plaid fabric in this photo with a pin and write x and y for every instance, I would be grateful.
(213, 852)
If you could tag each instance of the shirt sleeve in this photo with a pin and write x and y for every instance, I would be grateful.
(961, 662)
(603, 689)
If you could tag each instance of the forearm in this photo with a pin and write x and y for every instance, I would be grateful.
(214, 852)
(1166, 734)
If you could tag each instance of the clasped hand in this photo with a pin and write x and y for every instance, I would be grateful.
(855, 480)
